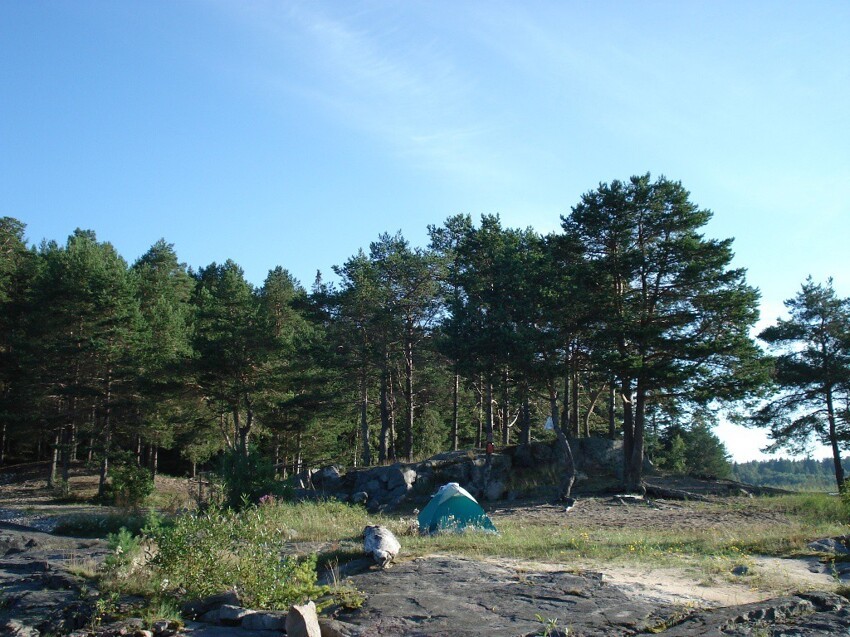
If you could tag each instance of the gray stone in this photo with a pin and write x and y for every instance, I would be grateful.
(327, 478)
(334, 628)
(211, 616)
(494, 490)
(360, 497)
(198, 607)
(14, 628)
(381, 544)
(302, 621)
(232, 615)
(830, 545)
(400, 477)
(741, 570)
(265, 620)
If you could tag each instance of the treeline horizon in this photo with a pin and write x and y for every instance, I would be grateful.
(625, 323)
(803, 474)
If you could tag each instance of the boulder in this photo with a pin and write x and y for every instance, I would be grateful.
(381, 544)
(265, 620)
(232, 615)
(833, 545)
(198, 607)
(400, 477)
(328, 478)
(302, 621)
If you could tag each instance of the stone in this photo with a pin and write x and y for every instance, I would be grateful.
(741, 570)
(381, 544)
(361, 497)
(302, 621)
(327, 478)
(265, 620)
(230, 615)
(494, 490)
(211, 616)
(14, 628)
(198, 607)
(830, 545)
(334, 628)
(400, 477)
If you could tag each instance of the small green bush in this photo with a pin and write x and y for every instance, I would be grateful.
(130, 485)
(219, 549)
(246, 478)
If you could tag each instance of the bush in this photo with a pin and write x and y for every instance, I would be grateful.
(130, 485)
(246, 478)
(220, 549)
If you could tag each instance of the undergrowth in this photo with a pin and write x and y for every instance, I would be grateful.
(255, 550)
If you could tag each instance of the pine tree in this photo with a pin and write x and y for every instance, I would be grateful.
(812, 368)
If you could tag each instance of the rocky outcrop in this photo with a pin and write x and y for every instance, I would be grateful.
(487, 478)
(42, 591)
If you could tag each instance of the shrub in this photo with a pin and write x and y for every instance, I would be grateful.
(210, 552)
(131, 485)
(246, 478)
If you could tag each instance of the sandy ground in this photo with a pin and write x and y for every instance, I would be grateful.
(678, 585)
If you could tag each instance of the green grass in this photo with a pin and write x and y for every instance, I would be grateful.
(240, 544)
(99, 525)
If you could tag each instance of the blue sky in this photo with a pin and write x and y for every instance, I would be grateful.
(293, 133)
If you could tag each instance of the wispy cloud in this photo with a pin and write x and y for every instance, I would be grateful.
(402, 86)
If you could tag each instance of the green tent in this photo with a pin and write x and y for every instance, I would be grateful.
(453, 509)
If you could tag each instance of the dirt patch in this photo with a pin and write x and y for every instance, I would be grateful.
(613, 512)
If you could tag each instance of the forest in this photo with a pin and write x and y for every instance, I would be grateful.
(798, 475)
(628, 323)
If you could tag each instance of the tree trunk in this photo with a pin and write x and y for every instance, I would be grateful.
(565, 411)
(525, 427)
(54, 461)
(574, 388)
(553, 405)
(479, 415)
(297, 468)
(589, 413)
(506, 431)
(408, 396)
(107, 436)
(628, 425)
(488, 409)
(245, 431)
(72, 443)
(384, 442)
(154, 460)
(66, 455)
(634, 468)
(833, 441)
(455, 390)
(612, 410)
(564, 456)
(364, 422)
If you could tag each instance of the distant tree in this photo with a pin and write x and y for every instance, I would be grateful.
(17, 268)
(812, 368)
(675, 316)
(164, 289)
(232, 344)
(82, 339)
(693, 449)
